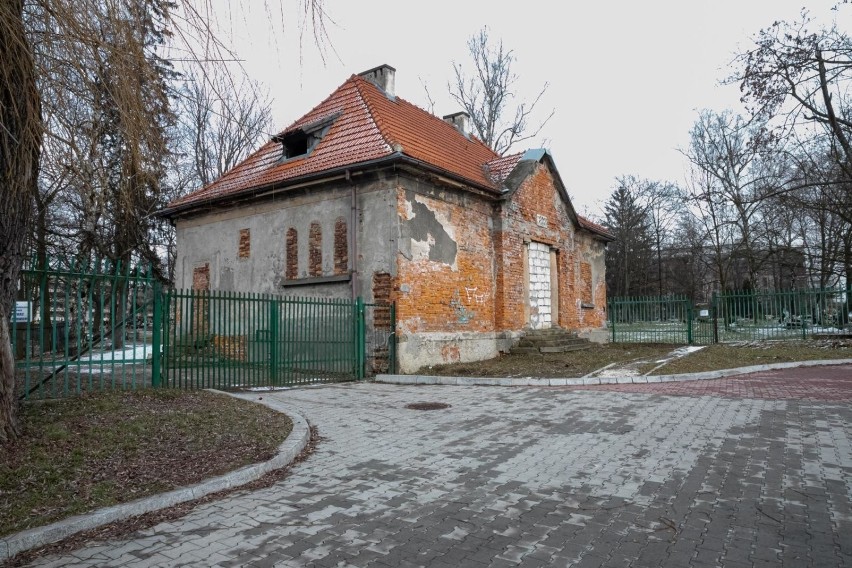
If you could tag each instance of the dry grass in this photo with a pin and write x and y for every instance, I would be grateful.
(645, 357)
(101, 449)
(732, 355)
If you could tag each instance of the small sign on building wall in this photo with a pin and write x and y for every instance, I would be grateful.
(22, 311)
(541, 221)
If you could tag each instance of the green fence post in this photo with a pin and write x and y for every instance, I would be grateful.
(689, 338)
(360, 338)
(392, 346)
(273, 338)
(612, 320)
(156, 340)
(714, 317)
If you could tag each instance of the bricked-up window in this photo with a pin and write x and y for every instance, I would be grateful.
(341, 246)
(586, 283)
(245, 244)
(292, 270)
(201, 278)
(200, 316)
(315, 250)
(382, 287)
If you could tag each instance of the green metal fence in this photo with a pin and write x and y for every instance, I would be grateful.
(80, 327)
(732, 316)
(98, 327)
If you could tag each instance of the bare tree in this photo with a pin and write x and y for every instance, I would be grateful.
(221, 120)
(733, 169)
(111, 47)
(20, 143)
(801, 77)
(487, 95)
(661, 206)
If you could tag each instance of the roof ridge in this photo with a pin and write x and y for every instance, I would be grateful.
(372, 113)
(316, 107)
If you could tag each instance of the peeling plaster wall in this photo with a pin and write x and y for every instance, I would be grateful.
(214, 238)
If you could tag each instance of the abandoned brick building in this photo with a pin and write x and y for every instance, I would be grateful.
(369, 195)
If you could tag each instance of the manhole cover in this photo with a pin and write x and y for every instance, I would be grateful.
(427, 405)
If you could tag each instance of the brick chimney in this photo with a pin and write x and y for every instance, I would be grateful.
(382, 77)
(461, 120)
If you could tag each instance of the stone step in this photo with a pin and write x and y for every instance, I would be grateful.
(542, 342)
(567, 348)
(553, 340)
(548, 332)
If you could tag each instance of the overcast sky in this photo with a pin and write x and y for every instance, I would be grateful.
(625, 78)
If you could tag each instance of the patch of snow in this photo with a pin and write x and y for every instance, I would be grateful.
(135, 353)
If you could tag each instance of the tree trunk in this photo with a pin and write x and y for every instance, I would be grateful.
(20, 145)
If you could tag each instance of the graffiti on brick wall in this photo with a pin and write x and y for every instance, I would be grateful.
(463, 314)
(462, 303)
(473, 295)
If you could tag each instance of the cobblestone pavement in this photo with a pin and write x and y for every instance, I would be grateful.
(538, 477)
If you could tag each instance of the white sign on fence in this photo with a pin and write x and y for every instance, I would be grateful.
(704, 313)
(22, 311)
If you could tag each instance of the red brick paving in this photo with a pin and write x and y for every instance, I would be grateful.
(828, 383)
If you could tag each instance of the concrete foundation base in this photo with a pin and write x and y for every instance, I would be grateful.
(416, 351)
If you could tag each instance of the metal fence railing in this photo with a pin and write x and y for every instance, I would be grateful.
(97, 327)
(731, 316)
(80, 327)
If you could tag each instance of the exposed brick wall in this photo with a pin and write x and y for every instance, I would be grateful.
(483, 288)
(586, 283)
(244, 250)
(292, 264)
(341, 246)
(534, 214)
(521, 222)
(315, 250)
(435, 295)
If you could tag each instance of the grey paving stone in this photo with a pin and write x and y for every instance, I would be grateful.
(529, 476)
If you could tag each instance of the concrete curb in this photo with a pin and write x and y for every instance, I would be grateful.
(583, 381)
(287, 452)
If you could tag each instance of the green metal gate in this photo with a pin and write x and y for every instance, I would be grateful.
(236, 340)
(651, 319)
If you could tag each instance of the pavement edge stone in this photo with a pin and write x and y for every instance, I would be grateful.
(530, 381)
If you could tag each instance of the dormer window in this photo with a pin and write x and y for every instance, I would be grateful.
(300, 142)
(295, 144)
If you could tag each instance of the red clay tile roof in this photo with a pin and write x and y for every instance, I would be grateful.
(500, 168)
(595, 228)
(369, 126)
